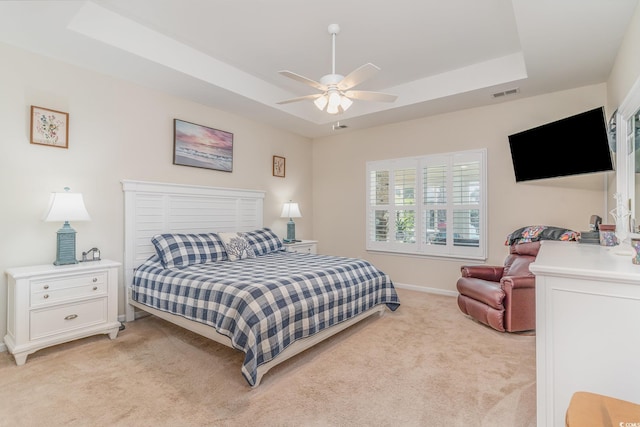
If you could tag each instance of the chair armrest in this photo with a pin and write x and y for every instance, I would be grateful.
(484, 272)
(517, 282)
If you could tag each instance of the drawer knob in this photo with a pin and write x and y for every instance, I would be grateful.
(95, 279)
(46, 296)
(71, 317)
(46, 286)
(95, 288)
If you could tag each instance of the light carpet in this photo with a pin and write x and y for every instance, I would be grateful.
(424, 365)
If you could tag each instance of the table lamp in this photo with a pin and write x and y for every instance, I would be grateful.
(291, 210)
(66, 207)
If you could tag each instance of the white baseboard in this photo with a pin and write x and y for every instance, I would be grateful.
(3, 347)
(426, 289)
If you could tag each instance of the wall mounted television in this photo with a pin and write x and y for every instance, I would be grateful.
(570, 146)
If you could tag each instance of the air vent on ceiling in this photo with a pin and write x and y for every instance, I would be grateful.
(506, 93)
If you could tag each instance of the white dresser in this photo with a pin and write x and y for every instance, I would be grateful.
(587, 326)
(303, 246)
(48, 305)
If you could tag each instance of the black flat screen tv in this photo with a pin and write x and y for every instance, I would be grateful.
(571, 146)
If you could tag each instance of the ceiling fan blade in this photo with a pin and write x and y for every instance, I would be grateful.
(300, 98)
(303, 79)
(365, 95)
(357, 76)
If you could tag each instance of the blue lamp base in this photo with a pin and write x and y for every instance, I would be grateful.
(66, 246)
(291, 232)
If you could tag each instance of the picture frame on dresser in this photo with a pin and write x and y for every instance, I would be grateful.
(202, 147)
(49, 127)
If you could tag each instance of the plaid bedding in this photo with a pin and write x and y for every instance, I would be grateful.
(265, 303)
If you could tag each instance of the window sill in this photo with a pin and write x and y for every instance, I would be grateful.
(444, 257)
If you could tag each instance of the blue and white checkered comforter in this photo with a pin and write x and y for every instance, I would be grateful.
(265, 303)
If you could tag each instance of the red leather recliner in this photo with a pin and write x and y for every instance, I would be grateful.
(502, 297)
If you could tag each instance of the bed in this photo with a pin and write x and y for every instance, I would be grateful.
(271, 306)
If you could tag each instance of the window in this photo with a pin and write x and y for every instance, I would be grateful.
(428, 205)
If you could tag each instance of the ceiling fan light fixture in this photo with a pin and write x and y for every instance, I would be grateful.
(335, 89)
(345, 103)
(334, 99)
(321, 102)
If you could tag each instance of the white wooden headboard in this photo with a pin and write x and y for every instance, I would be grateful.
(152, 208)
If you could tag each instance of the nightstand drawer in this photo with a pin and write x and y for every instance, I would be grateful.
(302, 247)
(56, 296)
(68, 282)
(56, 290)
(65, 318)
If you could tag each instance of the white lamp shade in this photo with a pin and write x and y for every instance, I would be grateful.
(321, 102)
(334, 99)
(66, 207)
(290, 210)
(345, 103)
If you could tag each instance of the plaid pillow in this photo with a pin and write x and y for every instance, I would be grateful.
(237, 246)
(181, 250)
(264, 241)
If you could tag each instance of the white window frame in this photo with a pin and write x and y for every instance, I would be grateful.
(420, 247)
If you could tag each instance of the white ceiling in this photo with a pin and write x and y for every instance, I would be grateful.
(437, 56)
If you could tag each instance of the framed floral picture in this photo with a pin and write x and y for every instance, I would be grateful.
(279, 166)
(49, 127)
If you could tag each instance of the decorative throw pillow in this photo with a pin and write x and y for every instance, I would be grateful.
(534, 233)
(237, 246)
(181, 250)
(264, 241)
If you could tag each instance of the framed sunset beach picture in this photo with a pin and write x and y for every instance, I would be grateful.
(202, 147)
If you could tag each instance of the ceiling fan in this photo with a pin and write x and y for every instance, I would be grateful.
(336, 94)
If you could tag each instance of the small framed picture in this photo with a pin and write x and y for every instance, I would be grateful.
(49, 127)
(279, 166)
(202, 147)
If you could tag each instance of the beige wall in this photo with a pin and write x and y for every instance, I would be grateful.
(626, 69)
(339, 180)
(117, 131)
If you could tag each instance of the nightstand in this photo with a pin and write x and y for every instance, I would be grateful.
(303, 246)
(49, 305)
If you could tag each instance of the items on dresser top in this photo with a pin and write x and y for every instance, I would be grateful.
(608, 235)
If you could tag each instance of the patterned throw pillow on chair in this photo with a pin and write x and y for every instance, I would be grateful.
(237, 246)
(535, 233)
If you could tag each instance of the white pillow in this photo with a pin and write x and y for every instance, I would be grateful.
(237, 246)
